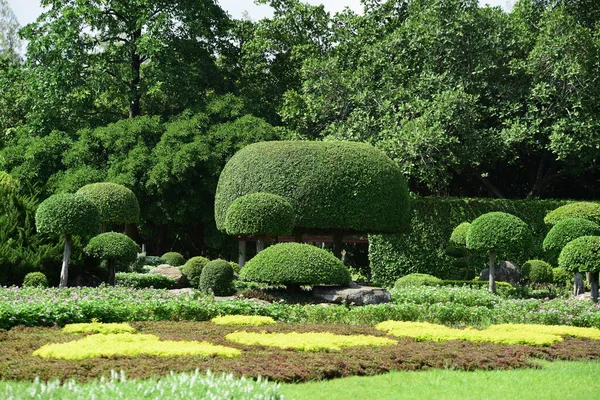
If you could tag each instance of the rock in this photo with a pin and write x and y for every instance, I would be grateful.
(356, 294)
(173, 273)
(506, 271)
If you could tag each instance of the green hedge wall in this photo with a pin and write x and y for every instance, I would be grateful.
(422, 248)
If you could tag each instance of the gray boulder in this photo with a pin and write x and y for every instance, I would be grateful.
(173, 273)
(506, 271)
(357, 295)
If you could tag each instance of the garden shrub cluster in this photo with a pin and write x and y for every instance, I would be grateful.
(422, 247)
(260, 214)
(295, 264)
(142, 281)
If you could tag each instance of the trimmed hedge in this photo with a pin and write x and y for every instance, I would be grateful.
(142, 281)
(192, 269)
(580, 209)
(260, 214)
(422, 248)
(581, 255)
(331, 185)
(116, 203)
(173, 258)
(67, 214)
(295, 264)
(112, 246)
(217, 277)
(537, 271)
(566, 230)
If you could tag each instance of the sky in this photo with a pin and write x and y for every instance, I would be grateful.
(27, 11)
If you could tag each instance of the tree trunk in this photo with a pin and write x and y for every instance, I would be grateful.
(260, 245)
(111, 272)
(64, 272)
(242, 253)
(337, 244)
(492, 271)
(594, 285)
(578, 287)
(134, 85)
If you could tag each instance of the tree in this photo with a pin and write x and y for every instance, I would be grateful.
(114, 248)
(498, 231)
(116, 203)
(67, 215)
(10, 43)
(581, 255)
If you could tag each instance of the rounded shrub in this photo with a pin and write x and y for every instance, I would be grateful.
(561, 277)
(67, 214)
(537, 271)
(566, 230)
(331, 185)
(173, 258)
(457, 245)
(581, 209)
(217, 278)
(417, 280)
(116, 203)
(260, 214)
(112, 246)
(35, 279)
(295, 264)
(498, 231)
(581, 255)
(192, 269)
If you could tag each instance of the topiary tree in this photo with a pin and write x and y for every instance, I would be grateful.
(67, 215)
(259, 214)
(173, 258)
(295, 264)
(192, 269)
(582, 255)
(537, 271)
(116, 203)
(35, 279)
(457, 248)
(334, 187)
(580, 209)
(114, 248)
(217, 277)
(498, 231)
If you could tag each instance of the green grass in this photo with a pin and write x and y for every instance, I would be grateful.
(556, 380)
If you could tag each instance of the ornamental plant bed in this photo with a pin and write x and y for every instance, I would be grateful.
(18, 363)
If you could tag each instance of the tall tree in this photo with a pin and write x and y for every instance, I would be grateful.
(10, 43)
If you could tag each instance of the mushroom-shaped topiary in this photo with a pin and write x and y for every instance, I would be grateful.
(112, 247)
(498, 231)
(566, 230)
(580, 209)
(192, 269)
(583, 255)
(537, 271)
(217, 277)
(67, 214)
(295, 264)
(116, 203)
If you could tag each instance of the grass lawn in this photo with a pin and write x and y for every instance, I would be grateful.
(556, 380)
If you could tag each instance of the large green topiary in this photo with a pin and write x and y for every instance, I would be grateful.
(345, 186)
(116, 203)
(295, 264)
(112, 247)
(580, 209)
(173, 258)
(67, 214)
(537, 271)
(497, 231)
(217, 278)
(192, 269)
(260, 214)
(583, 255)
(35, 279)
(566, 230)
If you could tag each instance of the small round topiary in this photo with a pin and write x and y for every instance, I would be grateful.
(537, 271)
(417, 280)
(192, 269)
(67, 214)
(581, 255)
(566, 230)
(217, 278)
(295, 264)
(173, 258)
(113, 247)
(35, 279)
(260, 214)
(116, 203)
(498, 231)
(561, 277)
(580, 209)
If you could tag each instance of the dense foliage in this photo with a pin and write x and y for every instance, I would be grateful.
(67, 214)
(581, 209)
(260, 214)
(331, 185)
(116, 203)
(295, 264)
(217, 278)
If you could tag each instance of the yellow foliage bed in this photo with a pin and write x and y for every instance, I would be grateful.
(313, 341)
(253, 320)
(98, 327)
(127, 344)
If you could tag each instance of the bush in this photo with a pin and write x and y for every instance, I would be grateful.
(260, 214)
(116, 203)
(581, 255)
(537, 271)
(580, 209)
(331, 185)
(566, 230)
(192, 269)
(417, 280)
(295, 264)
(67, 214)
(154, 261)
(141, 281)
(35, 279)
(112, 246)
(498, 231)
(173, 258)
(217, 277)
(561, 277)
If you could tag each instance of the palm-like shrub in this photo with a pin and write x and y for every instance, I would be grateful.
(192, 269)
(112, 247)
(583, 255)
(173, 258)
(217, 278)
(580, 209)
